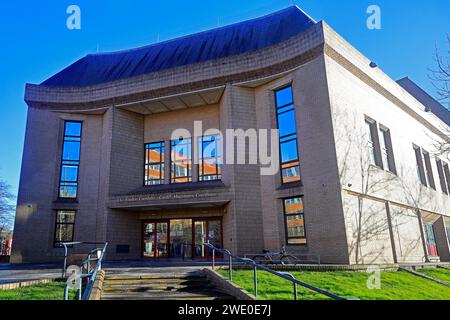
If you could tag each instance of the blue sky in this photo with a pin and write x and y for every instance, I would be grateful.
(37, 44)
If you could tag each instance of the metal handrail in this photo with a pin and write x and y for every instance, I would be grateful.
(256, 266)
(91, 275)
(90, 284)
(310, 257)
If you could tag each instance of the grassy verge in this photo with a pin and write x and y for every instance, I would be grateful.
(394, 286)
(438, 273)
(48, 291)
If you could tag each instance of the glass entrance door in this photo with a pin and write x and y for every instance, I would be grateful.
(181, 238)
(156, 240)
(206, 231)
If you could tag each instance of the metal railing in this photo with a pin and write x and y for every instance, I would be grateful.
(95, 255)
(284, 275)
(276, 258)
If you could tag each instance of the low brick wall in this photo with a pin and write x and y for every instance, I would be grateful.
(15, 285)
(318, 267)
(227, 286)
(97, 288)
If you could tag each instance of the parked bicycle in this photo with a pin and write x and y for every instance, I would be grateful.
(275, 257)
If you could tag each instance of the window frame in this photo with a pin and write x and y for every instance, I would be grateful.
(447, 175)
(420, 165)
(442, 177)
(284, 166)
(77, 164)
(64, 223)
(173, 162)
(217, 158)
(285, 215)
(387, 150)
(428, 169)
(161, 163)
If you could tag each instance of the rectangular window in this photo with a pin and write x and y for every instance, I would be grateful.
(447, 176)
(70, 160)
(420, 167)
(372, 146)
(154, 163)
(428, 170)
(294, 220)
(290, 163)
(387, 153)
(210, 166)
(448, 235)
(181, 160)
(370, 129)
(65, 222)
(430, 240)
(442, 178)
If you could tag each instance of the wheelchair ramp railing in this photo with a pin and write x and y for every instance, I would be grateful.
(88, 267)
(255, 266)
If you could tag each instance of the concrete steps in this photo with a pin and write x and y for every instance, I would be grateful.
(160, 287)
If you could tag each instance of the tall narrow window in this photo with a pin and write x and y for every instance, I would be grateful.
(70, 161)
(209, 167)
(154, 163)
(294, 220)
(447, 176)
(65, 222)
(181, 160)
(387, 153)
(442, 178)
(428, 169)
(430, 240)
(371, 132)
(290, 163)
(419, 166)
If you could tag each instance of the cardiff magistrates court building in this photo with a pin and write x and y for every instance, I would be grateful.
(359, 179)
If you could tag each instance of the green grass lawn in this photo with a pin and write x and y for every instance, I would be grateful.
(438, 273)
(394, 286)
(48, 291)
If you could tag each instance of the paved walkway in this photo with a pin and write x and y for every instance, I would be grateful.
(10, 273)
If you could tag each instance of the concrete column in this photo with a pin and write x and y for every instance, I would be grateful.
(422, 235)
(440, 233)
(238, 112)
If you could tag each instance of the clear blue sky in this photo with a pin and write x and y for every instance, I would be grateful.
(36, 43)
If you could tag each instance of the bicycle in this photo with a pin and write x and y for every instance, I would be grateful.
(272, 257)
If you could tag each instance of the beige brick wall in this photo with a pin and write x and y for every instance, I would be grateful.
(38, 190)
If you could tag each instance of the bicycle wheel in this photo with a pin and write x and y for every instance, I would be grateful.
(260, 259)
(288, 259)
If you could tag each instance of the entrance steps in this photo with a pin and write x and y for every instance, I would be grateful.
(183, 286)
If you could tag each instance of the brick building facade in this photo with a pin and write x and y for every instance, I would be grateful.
(360, 182)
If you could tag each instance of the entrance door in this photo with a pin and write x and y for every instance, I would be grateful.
(206, 231)
(156, 240)
(181, 238)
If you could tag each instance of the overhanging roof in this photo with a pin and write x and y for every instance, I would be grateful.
(428, 101)
(223, 42)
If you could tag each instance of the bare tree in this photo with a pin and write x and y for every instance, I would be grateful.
(440, 78)
(440, 75)
(6, 206)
